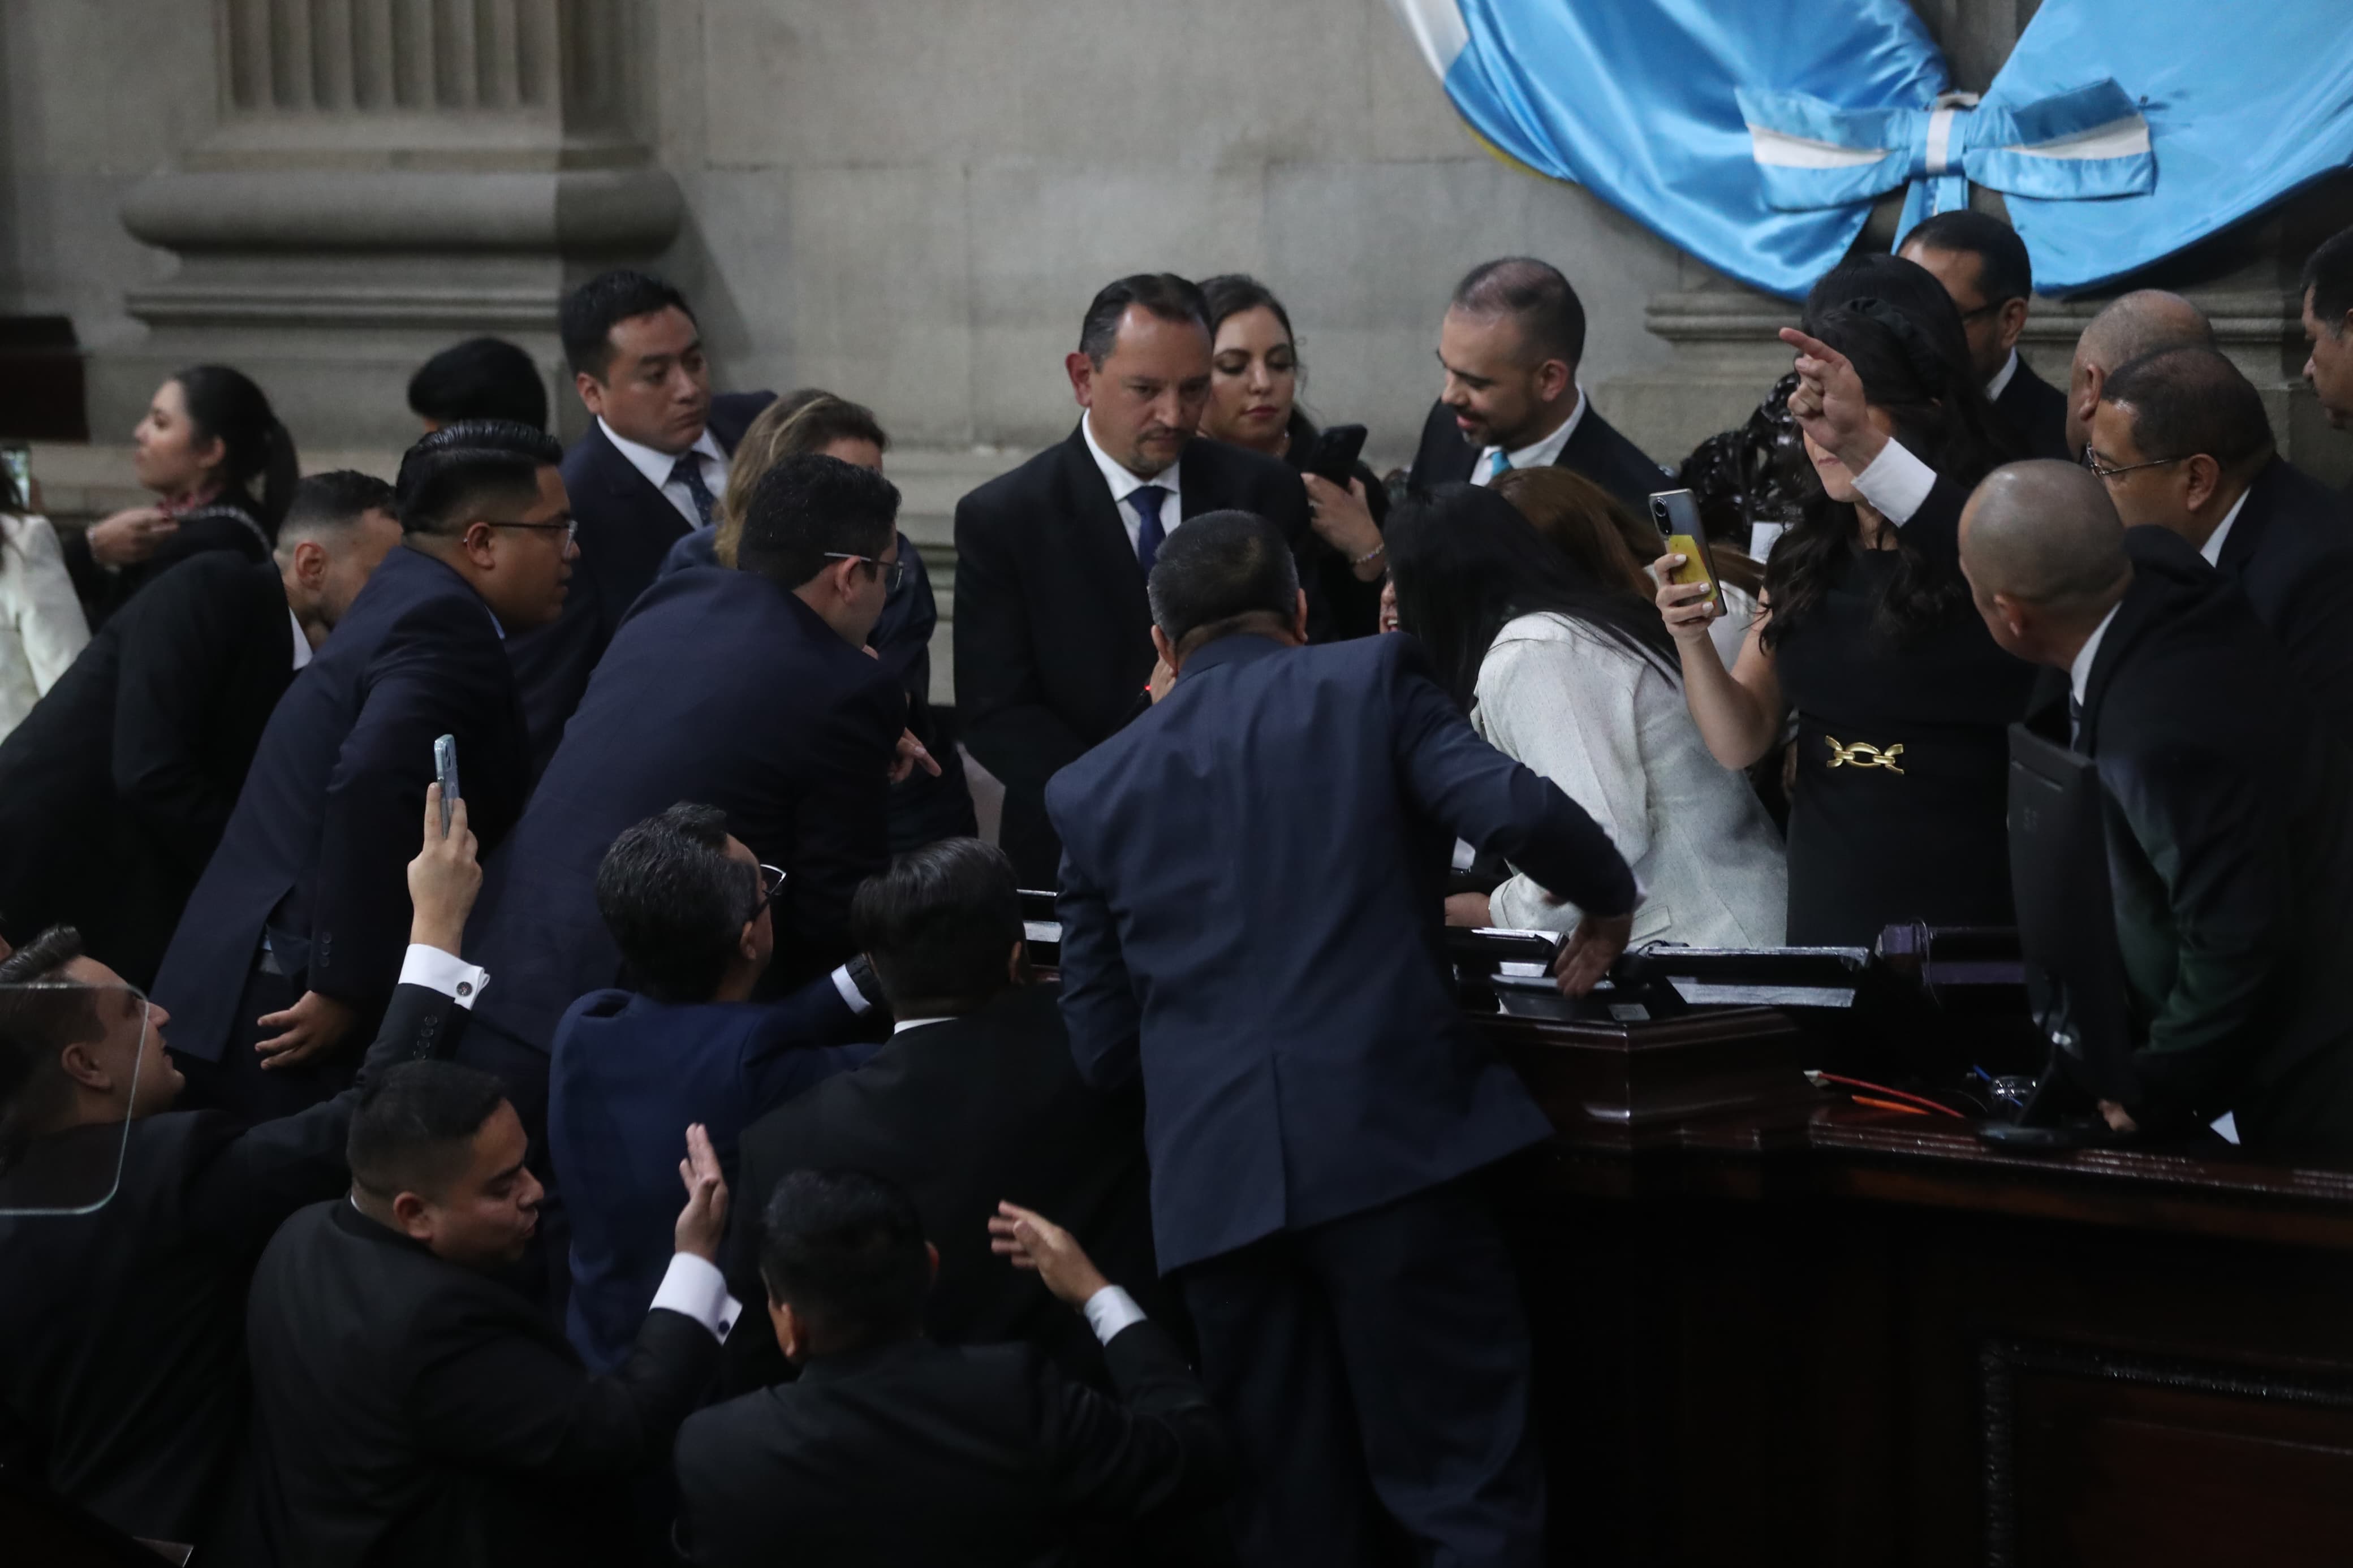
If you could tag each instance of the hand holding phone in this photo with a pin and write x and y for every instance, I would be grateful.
(1335, 453)
(445, 771)
(1677, 515)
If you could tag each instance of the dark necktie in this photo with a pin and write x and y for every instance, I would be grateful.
(1150, 533)
(688, 472)
(2074, 720)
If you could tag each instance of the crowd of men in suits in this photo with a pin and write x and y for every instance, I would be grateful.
(464, 1128)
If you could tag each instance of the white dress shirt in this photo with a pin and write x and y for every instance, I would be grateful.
(1896, 483)
(2212, 547)
(693, 1288)
(657, 467)
(443, 972)
(1541, 454)
(1124, 486)
(1110, 1309)
(2079, 674)
(301, 643)
(2000, 381)
(904, 1025)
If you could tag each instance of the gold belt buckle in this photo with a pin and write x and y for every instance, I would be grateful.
(1862, 754)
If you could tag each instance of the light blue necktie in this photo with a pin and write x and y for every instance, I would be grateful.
(1501, 461)
(1148, 534)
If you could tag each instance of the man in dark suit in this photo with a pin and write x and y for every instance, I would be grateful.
(1052, 634)
(890, 1449)
(975, 1099)
(2182, 442)
(291, 938)
(122, 1375)
(481, 378)
(1253, 879)
(649, 470)
(2228, 839)
(1983, 265)
(2128, 327)
(2327, 296)
(688, 906)
(408, 1408)
(114, 790)
(1509, 345)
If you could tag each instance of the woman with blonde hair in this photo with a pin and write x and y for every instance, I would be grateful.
(923, 807)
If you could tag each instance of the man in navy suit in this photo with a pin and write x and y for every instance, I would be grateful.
(2182, 440)
(292, 942)
(688, 906)
(649, 471)
(1510, 346)
(1983, 265)
(1253, 878)
(748, 691)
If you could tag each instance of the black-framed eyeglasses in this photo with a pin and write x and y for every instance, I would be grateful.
(772, 882)
(2103, 473)
(569, 527)
(891, 570)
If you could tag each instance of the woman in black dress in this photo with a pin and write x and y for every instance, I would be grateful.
(1903, 700)
(223, 471)
(1254, 375)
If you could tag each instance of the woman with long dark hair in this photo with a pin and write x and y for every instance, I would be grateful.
(1573, 674)
(1903, 700)
(1255, 373)
(212, 449)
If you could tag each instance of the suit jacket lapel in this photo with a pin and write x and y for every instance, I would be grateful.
(1099, 534)
(2142, 602)
(2254, 521)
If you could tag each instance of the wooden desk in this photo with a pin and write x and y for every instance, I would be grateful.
(1774, 1328)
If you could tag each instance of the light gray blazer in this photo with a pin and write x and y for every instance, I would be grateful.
(1611, 729)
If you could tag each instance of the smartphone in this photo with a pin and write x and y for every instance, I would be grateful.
(445, 768)
(1677, 516)
(1334, 455)
(17, 459)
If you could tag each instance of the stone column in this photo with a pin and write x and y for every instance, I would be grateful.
(387, 176)
(1727, 356)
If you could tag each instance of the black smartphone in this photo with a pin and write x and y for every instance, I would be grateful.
(445, 768)
(1334, 455)
(1677, 515)
(17, 459)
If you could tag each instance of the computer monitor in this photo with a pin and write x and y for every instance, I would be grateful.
(2067, 919)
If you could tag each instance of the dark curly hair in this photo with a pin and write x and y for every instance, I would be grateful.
(1914, 362)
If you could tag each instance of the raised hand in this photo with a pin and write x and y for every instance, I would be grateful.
(444, 878)
(703, 1221)
(1828, 404)
(1031, 1241)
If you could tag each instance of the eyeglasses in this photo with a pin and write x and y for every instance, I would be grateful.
(2102, 472)
(1986, 310)
(772, 882)
(891, 570)
(569, 527)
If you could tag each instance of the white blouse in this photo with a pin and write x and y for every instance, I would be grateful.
(41, 624)
(1611, 729)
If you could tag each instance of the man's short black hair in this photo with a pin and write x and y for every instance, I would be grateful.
(586, 318)
(941, 923)
(41, 1013)
(1161, 294)
(2329, 278)
(325, 503)
(413, 1131)
(2005, 272)
(845, 1251)
(448, 477)
(1219, 568)
(675, 902)
(811, 506)
(1536, 295)
(481, 378)
(2182, 402)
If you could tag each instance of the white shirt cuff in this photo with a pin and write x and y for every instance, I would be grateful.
(1896, 483)
(443, 972)
(850, 995)
(1110, 1310)
(696, 1290)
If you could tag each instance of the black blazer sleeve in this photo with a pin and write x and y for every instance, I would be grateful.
(99, 591)
(1000, 701)
(176, 664)
(484, 1395)
(1496, 805)
(1160, 1444)
(840, 827)
(262, 1175)
(1935, 531)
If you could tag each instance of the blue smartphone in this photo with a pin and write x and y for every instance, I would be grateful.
(445, 768)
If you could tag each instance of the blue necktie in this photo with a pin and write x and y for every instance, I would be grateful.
(1497, 464)
(1150, 533)
(688, 472)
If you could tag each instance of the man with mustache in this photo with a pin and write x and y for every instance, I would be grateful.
(1053, 638)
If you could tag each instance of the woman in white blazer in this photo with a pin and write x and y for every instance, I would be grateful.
(41, 624)
(1571, 677)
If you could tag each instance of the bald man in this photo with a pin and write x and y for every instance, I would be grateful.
(2228, 844)
(2180, 438)
(2134, 324)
